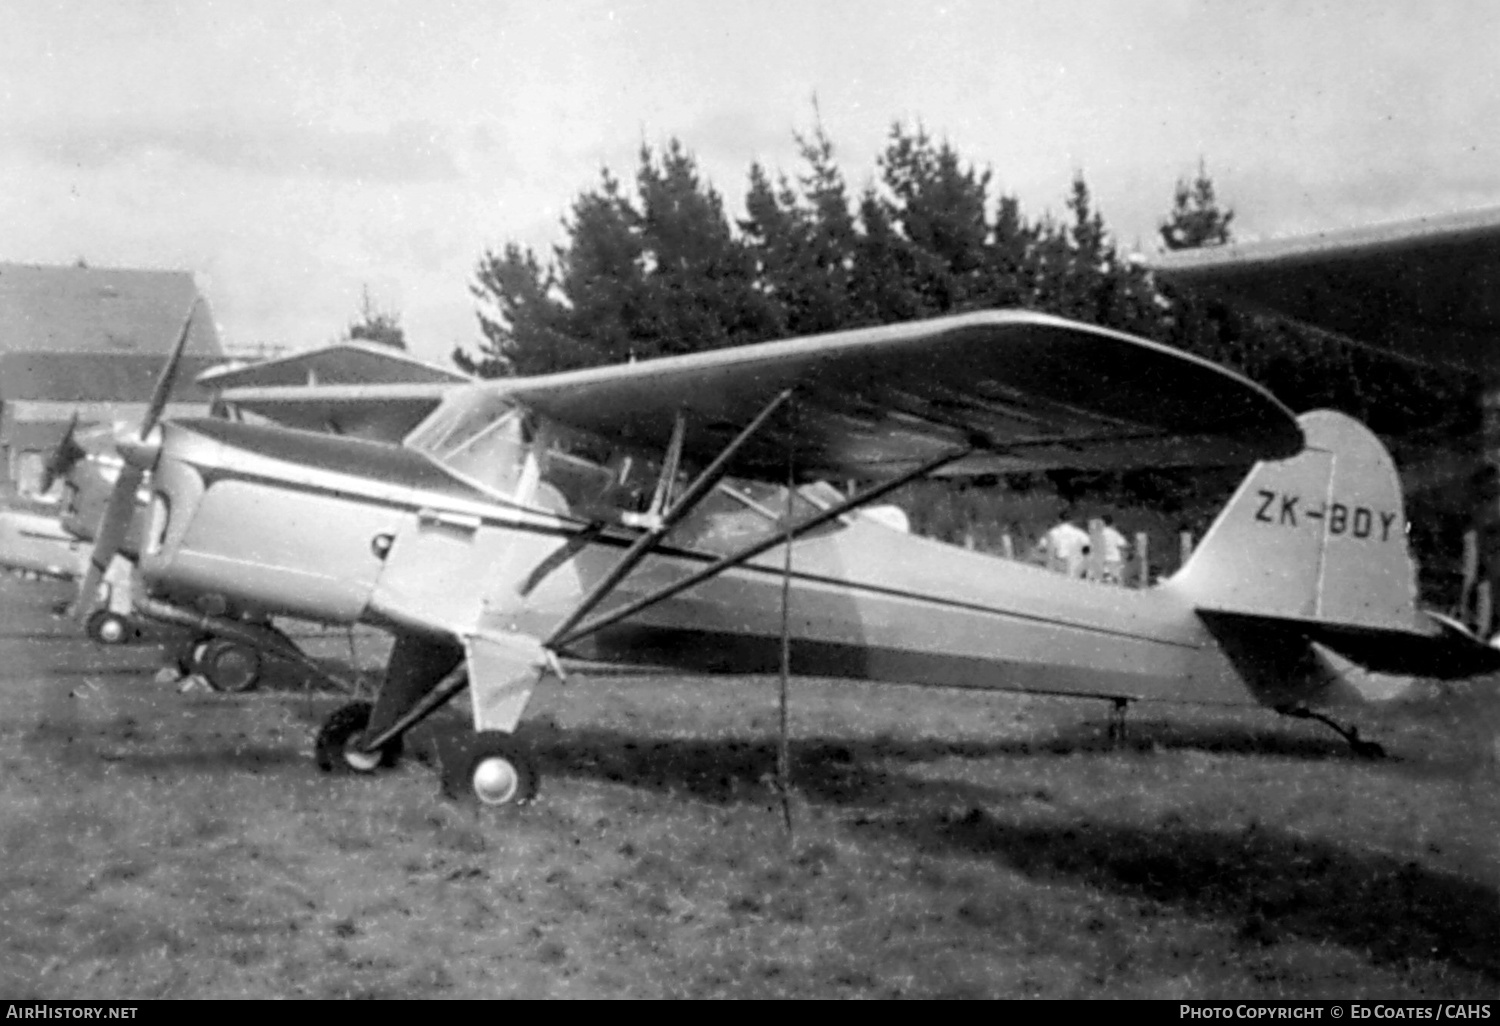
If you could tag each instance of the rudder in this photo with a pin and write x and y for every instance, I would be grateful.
(1318, 537)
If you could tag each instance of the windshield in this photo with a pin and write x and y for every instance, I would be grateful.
(481, 437)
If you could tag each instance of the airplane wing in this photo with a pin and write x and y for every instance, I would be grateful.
(1027, 390)
(1426, 289)
(350, 388)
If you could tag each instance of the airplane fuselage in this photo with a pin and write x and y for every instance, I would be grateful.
(343, 531)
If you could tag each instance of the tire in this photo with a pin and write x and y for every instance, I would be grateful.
(228, 665)
(334, 747)
(107, 628)
(491, 771)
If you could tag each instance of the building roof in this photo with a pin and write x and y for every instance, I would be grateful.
(342, 363)
(96, 377)
(100, 310)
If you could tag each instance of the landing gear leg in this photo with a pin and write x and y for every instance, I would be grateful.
(416, 668)
(1118, 708)
(1363, 749)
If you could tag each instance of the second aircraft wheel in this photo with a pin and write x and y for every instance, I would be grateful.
(109, 628)
(337, 744)
(490, 770)
(228, 665)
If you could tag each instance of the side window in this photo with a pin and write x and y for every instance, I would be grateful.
(741, 513)
(598, 482)
(721, 524)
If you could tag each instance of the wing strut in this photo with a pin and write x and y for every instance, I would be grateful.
(560, 639)
(667, 482)
(783, 746)
(642, 546)
(457, 680)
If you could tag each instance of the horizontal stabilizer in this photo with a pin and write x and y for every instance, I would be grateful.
(1444, 650)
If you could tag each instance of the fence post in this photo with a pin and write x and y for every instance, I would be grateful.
(1471, 573)
(1484, 610)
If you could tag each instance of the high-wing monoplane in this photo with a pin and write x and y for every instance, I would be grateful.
(678, 512)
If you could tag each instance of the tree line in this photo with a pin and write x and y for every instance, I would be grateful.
(659, 267)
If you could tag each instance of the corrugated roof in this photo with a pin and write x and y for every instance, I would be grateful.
(100, 310)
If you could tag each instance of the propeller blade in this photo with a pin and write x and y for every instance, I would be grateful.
(111, 535)
(168, 376)
(65, 457)
(120, 511)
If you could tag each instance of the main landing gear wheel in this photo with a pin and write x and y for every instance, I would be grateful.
(337, 745)
(490, 770)
(109, 628)
(227, 665)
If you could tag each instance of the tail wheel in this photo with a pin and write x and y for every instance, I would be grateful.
(109, 628)
(491, 771)
(337, 745)
(228, 665)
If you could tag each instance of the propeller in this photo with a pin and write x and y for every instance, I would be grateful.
(139, 456)
(64, 458)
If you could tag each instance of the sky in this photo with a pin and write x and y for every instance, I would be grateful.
(297, 156)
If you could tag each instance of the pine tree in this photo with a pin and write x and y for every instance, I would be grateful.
(939, 207)
(803, 241)
(376, 325)
(652, 274)
(700, 284)
(1196, 219)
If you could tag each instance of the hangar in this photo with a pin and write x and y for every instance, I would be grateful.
(90, 340)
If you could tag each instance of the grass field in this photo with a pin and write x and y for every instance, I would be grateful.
(157, 844)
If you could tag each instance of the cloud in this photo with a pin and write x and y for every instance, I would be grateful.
(405, 152)
(738, 134)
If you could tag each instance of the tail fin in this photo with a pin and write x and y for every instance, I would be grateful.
(1319, 537)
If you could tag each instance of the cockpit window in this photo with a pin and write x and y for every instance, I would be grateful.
(740, 513)
(494, 456)
(480, 436)
(456, 422)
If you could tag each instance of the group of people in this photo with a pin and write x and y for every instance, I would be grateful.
(1067, 548)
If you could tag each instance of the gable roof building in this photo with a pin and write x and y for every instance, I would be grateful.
(92, 340)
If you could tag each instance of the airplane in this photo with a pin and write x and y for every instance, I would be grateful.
(677, 512)
(57, 544)
(49, 533)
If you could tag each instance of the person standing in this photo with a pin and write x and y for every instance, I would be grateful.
(1067, 548)
(1114, 550)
